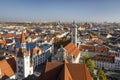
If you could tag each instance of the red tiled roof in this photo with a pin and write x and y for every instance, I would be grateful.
(2, 42)
(36, 50)
(104, 58)
(87, 47)
(65, 74)
(8, 68)
(65, 71)
(51, 71)
(94, 36)
(112, 54)
(8, 41)
(101, 49)
(8, 35)
(72, 49)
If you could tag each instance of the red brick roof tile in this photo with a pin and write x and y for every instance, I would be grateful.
(8, 68)
(65, 71)
(72, 49)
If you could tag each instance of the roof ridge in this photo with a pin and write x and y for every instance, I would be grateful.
(65, 61)
(87, 77)
(68, 45)
(85, 72)
(75, 51)
(67, 73)
(64, 74)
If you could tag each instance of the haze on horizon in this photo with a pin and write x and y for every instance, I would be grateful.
(63, 10)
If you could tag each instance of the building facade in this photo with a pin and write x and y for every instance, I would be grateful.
(24, 61)
(70, 52)
(108, 62)
(41, 54)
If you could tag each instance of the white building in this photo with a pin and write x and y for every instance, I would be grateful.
(41, 54)
(107, 62)
(23, 65)
(117, 62)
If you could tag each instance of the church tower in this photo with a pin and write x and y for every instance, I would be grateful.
(22, 60)
(74, 33)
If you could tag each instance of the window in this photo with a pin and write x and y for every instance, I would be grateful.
(20, 69)
(29, 72)
(27, 62)
(21, 62)
(18, 62)
(20, 75)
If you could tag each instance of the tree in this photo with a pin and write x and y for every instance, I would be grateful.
(85, 57)
(57, 39)
(90, 64)
(101, 75)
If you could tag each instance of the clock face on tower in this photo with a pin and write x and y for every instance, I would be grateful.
(23, 45)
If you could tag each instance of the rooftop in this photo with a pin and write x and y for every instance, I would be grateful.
(45, 46)
(65, 71)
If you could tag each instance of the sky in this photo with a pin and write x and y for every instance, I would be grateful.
(60, 10)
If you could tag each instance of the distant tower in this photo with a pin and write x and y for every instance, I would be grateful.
(74, 33)
(23, 60)
(58, 23)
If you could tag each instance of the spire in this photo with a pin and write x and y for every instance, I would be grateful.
(67, 75)
(22, 49)
(22, 37)
(73, 22)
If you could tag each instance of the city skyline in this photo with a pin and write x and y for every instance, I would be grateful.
(63, 10)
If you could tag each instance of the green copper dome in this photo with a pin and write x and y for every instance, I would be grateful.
(74, 25)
